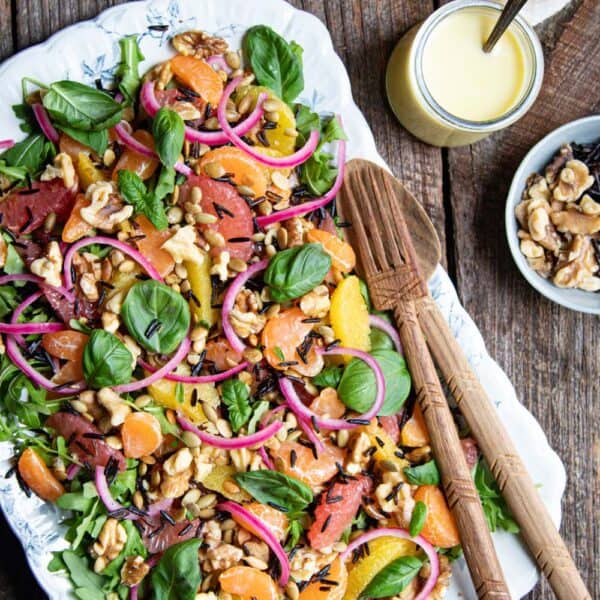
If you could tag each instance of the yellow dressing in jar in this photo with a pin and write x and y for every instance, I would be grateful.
(447, 91)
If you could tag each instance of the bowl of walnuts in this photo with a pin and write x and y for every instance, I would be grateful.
(553, 215)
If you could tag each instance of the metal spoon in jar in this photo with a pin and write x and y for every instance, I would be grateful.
(509, 12)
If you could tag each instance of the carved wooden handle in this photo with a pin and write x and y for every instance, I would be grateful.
(460, 491)
(537, 528)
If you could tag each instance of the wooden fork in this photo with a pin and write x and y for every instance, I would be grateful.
(392, 273)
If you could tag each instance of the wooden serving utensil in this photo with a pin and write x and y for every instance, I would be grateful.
(392, 273)
(537, 529)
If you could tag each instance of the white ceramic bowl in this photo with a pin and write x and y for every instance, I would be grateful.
(581, 131)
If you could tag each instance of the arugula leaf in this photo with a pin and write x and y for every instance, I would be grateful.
(134, 192)
(24, 113)
(425, 474)
(275, 63)
(295, 531)
(13, 263)
(328, 377)
(31, 154)
(168, 130)
(74, 104)
(417, 521)
(80, 326)
(318, 173)
(13, 173)
(134, 546)
(296, 271)
(177, 575)
(236, 397)
(495, 509)
(357, 387)
(106, 360)
(288, 494)
(96, 140)
(393, 578)
(129, 68)
(157, 317)
(9, 300)
(82, 576)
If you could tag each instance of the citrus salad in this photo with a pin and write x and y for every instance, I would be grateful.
(190, 368)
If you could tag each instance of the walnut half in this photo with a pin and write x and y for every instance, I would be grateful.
(199, 44)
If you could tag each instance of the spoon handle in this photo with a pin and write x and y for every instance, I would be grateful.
(508, 14)
(537, 528)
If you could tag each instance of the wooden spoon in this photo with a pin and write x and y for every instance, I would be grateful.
(537, 529)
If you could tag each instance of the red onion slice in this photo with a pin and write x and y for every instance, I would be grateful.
(35, 279)
(72, 471)
(43, 119)
(261, 530)
(104, 492)
(242, 441)
(264, 455)
(122, 246)
(388, 329)
(197, 378)
(434, 560)
(30, 328)
(218, 61)
(306, 207)
(229, 300)
(6, 144)
(210, 138)
(304, 413)
(286, 162)
(169, 366)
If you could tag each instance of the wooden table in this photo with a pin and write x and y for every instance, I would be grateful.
(547, 351)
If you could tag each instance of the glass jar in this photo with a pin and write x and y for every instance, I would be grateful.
(414, 103)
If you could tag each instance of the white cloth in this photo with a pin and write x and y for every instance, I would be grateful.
(536, 11)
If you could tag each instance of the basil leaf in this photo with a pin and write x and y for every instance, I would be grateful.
(157, 317)
(495, 509)
(379, 339)
(275, 63)
(296, 271)
(258, 412)
(106, 360)
(357, 387)
(177, 575)
(417, 521)
(96, 140)
(236, 397)
(74, 104)
(129, 68)
(168, 130)
(295, 531)
(328, 377)
(32, 153)
(425, 474)
(285, 493)
(134, 192)
(14, 263)
(164, 186)
(393, 578)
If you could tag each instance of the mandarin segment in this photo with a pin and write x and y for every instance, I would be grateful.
(248, 583)
(199, 76)
(150, 245)
(335, 590)
(440, 527)
(141, 434)
(342, 255)
(38, 476)
(143, 166)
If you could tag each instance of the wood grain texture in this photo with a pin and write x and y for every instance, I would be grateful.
(546, 351)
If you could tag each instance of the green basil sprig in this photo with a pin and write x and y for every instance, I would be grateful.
(129, 68)
(393, 578)
(74, 104)
(177, 575)
(417, 521)
(168, 130)
(236, 397)
(425, 474)
(106, 360)
(328, 377)
(135, 192)
(30, 154)
(157, 317)
(296, 271)
(96, 140)
(357, 388)
(276, 489)
(275, 63)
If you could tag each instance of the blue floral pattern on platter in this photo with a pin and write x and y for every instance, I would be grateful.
(89, 52)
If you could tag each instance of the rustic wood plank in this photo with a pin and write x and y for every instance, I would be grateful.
(546, 350)
(6, 38)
